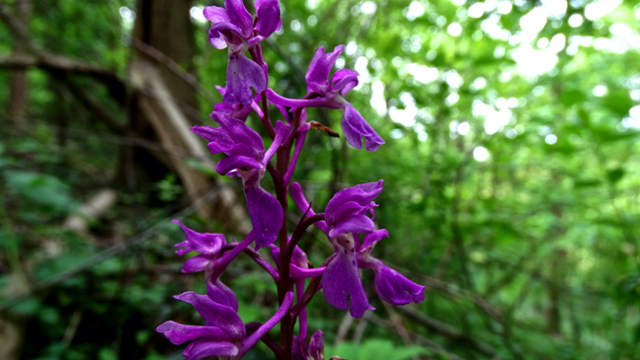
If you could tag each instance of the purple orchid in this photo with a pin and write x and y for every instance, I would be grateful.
(323, 92)
(238, 111)
(345, 221)
(390, 285)
(223, 335)
(247, 156)
(299, 265)
(211, 260)
(315, 349)
(233, 29)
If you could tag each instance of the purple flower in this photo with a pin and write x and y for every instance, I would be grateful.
(237, 111)
(233, 29)
(247, 157)
(299, 265)
(211, 260)
(223, 335)
(390, 285)
(315, 349)
(345, 221)
(325, 92)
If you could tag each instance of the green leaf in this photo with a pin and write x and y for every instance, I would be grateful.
(571, 97)
(615, 175)
(619, 102)
(41, 189)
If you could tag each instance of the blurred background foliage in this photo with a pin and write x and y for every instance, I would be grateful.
(511, 174)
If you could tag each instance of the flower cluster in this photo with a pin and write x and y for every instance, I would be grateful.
(347, 221)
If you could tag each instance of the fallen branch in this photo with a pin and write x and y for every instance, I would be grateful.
(446, 330)
(60, 63)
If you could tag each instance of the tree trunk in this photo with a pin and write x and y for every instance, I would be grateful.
(18, 95)
(166, 26)
(163, 99)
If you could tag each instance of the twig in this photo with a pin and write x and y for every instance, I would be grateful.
(94, 106)
(345, 324)
(45, 59)
(397, 323)
(170, 64)
(446, 330)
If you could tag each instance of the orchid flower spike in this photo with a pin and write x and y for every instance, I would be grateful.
(247, 157)
(233, 29)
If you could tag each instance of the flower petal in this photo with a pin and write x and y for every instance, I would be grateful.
(362, 194)
(344, 80)
(206, 244)
(233, 162)
(349, 209)
(318, 73)
(217, 135)
(215, 14)
(216, 314)
(316, 346)
(178, 333)
(239, 132)
(371, 239)
(242, 74)
(237, 111)
(299, 349)
(268, 17)
(221, 33)
(207, 347)
(195, 264)
(395, 288)
(341, 280)
(221, 294)
(354, 224)
(239, 16)
(235, 150)
(355, 128)
(265, 213)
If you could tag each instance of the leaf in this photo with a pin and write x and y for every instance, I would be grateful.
(615, 175)
(374, 349)
(582, 183)
(571, 97)
(41, 189)
(585, 117)
(618, 102)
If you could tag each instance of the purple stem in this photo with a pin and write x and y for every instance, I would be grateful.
(314, 286)
(266, 339)
(231, 254)
(302, 103)
(262, 263)
(298, 272)
(302, 334)
(302, 135)
(250, 340)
